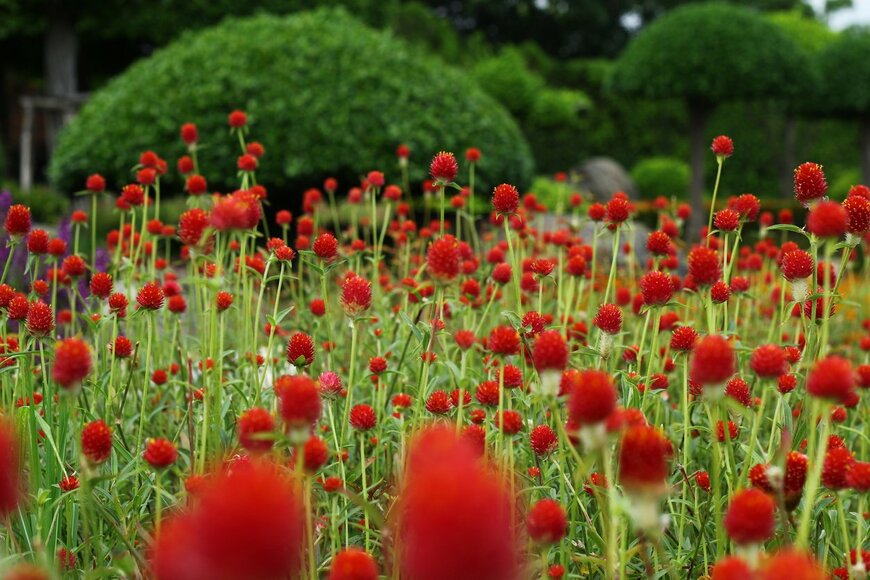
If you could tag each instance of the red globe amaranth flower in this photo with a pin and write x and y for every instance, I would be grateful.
(547, 522)
(828, 219)
(858, 210)
(101, 285)
(224, 300)
(751, 517)
(504, 341)
(769, 361)
(326, 247)
(356, 295)
(608, 319)
(443, 259)
(247, 522)
(593, 398)
(644, 454)
(11, 484)
(550, 351)
(353, 564)
(37, 242)
(659, 243)
(300, 350)
(300, 402)
(792, 564)
(712, 361)
(439, 403)
(96, 441)
(472, 154)
(726, 220)
(191, 226)
(196, 185)
(831, 378)
(705, 267)
(858, 477)
(683, 338)
(618, 209)
(240, 210)
(363, 417)
(151, 296)
(454, 513)
(796, 265)
(160, 453)
(18, 221)
(731, 568)
(40, 319)
(722, 147)
(188, 133)
(837, 465)
(95, 183)
(809, 183)
(505, 199)
(747, 205)
(657, 288)
(509, 422)
(255, 425)
(443, 168)
(543, 440)
(72, 362)
(237, 119)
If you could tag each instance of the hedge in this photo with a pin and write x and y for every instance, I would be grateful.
(326, 96)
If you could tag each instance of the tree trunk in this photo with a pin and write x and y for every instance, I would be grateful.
(698, 114)
(61, 64)
(864, 129)
(786, 171)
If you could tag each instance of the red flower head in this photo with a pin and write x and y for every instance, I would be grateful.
(828, 219)
(543, 440)
(300, 400)
(18, 221)
(657, 288)
(809, 183)
(133, 195)
(510, 422)
(618, 209)
(443, 259)
(40, 319)
(502, 273)
(712, 361)
(683, 338)
(37, 242)
(353, 564)
(97, 441)
(95, 183)
(160, 453)
(74, 266)
(10, 469)
(550, 352)
(705, 267)
(439, 403)
(224, 300)
(796, 265)
(326, 247)
(858, 477)
(644, 453)
(454, 513)
(858, 210)
(247, 523)
(839, 461)
(192, 225)
(659, 243)
(403, 151)
(196, 185)
(731, 568)
(123, 347)
(747, 205)
(722, 147)
(505, 199)
(237, 119)
(254, 426)
(608, 319)
(300, 350)
(769, 361)
(472, 154)
(791, 564)
(356, 295)
(831, 378)
(101, 285)
(363, 418)
(443, 168)
(504, 341)
(72, 362)
(726, 220)
(151, 296)
(751, 517)
(238, 211)
(547, 522)
(593, 398)
(188, 133)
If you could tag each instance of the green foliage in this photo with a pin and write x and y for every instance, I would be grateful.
(663, 176)
(843, 181)
(845, 70)
(711, 53)
(46, 204)
(335, 103)
(810, 34)
(507, 78)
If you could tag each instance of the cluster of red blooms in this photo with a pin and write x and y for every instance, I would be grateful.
(440, 426)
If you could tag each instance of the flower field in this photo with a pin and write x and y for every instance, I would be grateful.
(389, 387)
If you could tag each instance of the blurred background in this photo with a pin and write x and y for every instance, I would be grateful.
(618, 94)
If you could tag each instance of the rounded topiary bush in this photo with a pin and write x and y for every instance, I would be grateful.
(325, 95)
(661, 176)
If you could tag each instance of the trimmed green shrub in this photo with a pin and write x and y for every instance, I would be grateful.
(843, 181)
(661, 176)
(325, 94)
(47, 206)
(507, 78)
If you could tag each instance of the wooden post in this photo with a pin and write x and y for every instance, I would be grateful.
(25, 169)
